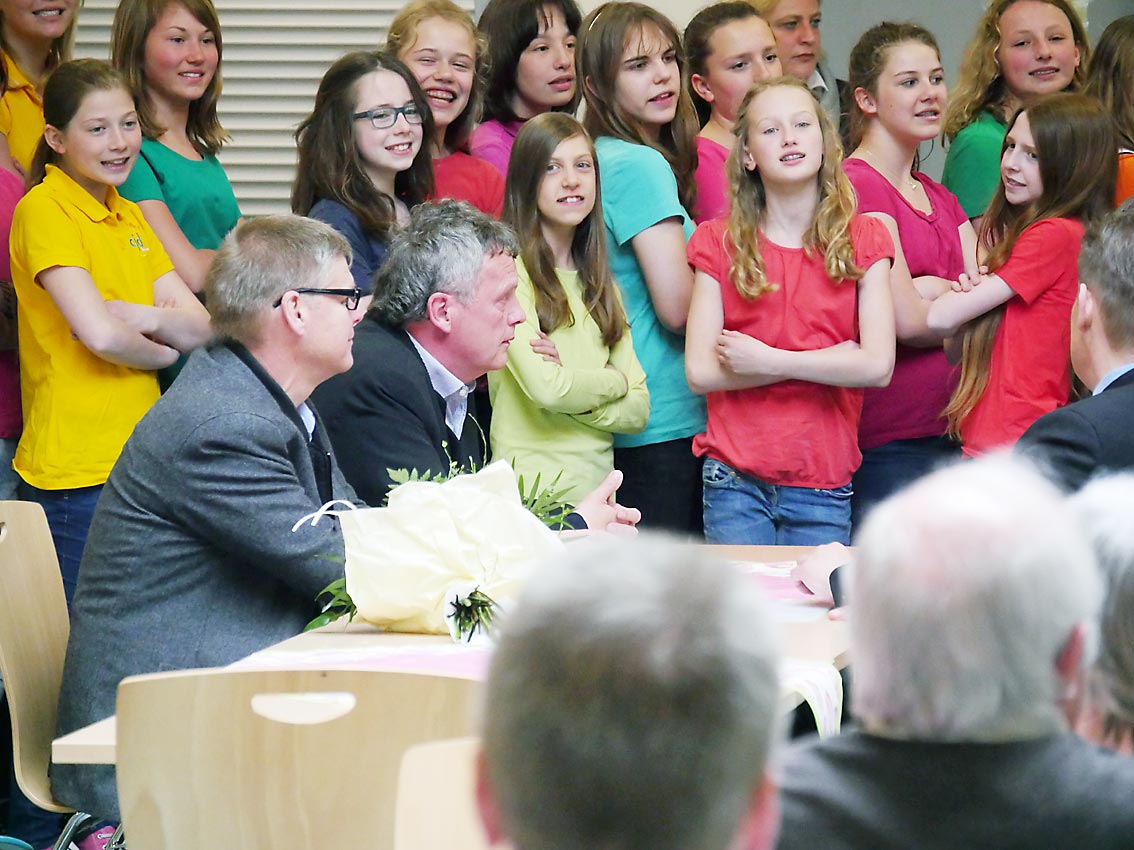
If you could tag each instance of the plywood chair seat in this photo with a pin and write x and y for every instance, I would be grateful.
(259, 760)
(436, 807)
(33, 643)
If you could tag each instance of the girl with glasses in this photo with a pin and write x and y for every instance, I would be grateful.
(362, 161)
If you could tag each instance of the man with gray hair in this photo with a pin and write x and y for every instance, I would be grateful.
(444, 313)
(974, 601)
(191, 559)
(632, 708)
(1094, 435)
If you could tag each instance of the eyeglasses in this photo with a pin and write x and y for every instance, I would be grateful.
(384, 117)
(351, 296)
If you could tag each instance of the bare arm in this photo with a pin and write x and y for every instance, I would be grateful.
(104, 334)
(869, 363)
(910, 306)
(176, 317)
(660, 251)
(191, 263)
(953, 309)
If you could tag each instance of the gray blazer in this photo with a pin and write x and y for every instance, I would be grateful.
(190, 560)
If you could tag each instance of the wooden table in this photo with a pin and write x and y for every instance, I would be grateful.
(817, 640)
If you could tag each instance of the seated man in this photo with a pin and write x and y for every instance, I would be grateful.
(443, 314)
(972, 604)
(191, 559)
(1094, 435)
(631, 705)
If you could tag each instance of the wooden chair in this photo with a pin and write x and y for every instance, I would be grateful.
(33, 643)
(436, 807)
(259, 760)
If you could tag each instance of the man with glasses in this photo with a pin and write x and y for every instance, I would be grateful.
(191, 559)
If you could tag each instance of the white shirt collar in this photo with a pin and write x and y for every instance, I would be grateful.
(1112, 376)
(307, 416)
(452, 389)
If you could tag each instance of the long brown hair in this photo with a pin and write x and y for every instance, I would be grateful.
(1075, 145)
(980, 85)
(132, 24)
(63, 96)
(533, 149)
(829, 232)
(605, 34)
(329, 163)
(402, 36)
(1111, 76)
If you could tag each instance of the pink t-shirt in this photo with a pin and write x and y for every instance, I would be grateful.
(1030, 373)
(797, 433)
(923, 380)
(466, 178)
(11, 190)
(492, 141)
(712, 181)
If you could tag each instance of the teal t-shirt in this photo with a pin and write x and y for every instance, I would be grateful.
(638, 191)
(197, 192)
(972, 165)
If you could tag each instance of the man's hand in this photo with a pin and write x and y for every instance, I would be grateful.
(602, 513)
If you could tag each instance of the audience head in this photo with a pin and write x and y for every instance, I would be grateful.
(631, 705)
(150, 42)
(882, 64)
(256, 289)
(795, 25)
(343, 155)
(531, 57)
(450, 279)
(974, 601)
(20, 25)
(443, 49)
(631, 66)
(1013, 39)
(78, 91)
(728, 47)
(1110, 77)
(1103, 508)
(1104, 308)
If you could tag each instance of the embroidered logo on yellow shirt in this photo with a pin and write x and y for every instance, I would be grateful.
(136, 241)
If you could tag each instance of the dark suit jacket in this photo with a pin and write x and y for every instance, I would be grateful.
(1086, 438)
(191, 560)
(384, 414)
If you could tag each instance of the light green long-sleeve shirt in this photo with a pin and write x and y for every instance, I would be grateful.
(550, 419)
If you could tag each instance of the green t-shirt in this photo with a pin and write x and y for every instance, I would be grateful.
(197, 192)
(972, 165)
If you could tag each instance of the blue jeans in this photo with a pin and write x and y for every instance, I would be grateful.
(69, 514)
(888, 468)
(741, 509)
(9, 480)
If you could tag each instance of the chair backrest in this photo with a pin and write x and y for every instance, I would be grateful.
(251, 759)
(436, 807)
(33, 642)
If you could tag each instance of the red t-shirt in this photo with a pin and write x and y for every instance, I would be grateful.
(465, 178)
(796, 433)
(1030, 373)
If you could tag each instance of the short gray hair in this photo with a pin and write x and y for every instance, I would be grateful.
(1103, 507)
(966, 586)
(632, 701)
(1106, 266)
(442, 250)
(260, 260)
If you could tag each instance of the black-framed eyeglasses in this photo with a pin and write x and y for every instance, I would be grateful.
(351, 296)
(384, 117)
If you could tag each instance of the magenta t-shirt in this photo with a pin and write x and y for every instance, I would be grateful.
(711, 180)
(492, 141)
(11, 190)
(923, 380)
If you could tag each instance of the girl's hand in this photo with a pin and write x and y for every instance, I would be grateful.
(965, 283)
(744, 355)
(543, 345)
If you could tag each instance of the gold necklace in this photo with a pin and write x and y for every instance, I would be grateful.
(911, 184)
